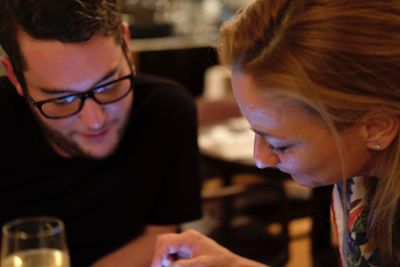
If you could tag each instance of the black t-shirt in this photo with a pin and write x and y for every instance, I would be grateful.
(152, 178)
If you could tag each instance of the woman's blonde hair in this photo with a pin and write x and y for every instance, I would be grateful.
(339, 57)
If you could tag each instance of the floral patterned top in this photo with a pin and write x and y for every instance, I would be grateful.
(355, 252)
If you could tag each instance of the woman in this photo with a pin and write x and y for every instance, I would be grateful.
(319, 83)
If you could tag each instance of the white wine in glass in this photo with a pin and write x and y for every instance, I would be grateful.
(34, 242)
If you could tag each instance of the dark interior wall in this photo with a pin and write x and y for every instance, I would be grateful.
(186, 66)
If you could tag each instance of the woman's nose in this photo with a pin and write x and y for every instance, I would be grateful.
(263, 155)
(93, 115)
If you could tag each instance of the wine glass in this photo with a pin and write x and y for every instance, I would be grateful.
(34, 242)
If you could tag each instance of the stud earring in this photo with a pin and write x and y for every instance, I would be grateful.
(376, 147)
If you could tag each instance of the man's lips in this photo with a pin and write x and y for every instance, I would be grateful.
(96, 135)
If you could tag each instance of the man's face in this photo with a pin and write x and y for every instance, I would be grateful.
(56, 69)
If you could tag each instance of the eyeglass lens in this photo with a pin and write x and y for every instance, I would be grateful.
(69, 105)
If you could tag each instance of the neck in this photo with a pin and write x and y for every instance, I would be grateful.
(377, 164)
(59, 151)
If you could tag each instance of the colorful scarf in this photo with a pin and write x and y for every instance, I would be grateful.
(356, 252)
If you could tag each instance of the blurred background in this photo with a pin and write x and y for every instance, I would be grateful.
(261, 214)
(1, 67)
(187, 27)
(173, 38)
(156, 18)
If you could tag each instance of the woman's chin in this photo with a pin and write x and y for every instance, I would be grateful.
(306, 182)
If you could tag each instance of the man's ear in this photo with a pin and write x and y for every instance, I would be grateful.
(380, 128)
(127, 38)
(126, 33)
(8, 67)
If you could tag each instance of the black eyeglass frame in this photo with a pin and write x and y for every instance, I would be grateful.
(90, 93)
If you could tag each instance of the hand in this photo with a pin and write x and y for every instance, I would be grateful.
(192, 249)
(137, 252)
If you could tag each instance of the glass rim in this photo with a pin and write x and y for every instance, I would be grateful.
(56, 229)
(82, 97)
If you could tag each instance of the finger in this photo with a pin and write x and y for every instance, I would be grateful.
(182, 245)
(162, 259)
(196, 262)
(170, 255)
(169, 248)
(166, 262)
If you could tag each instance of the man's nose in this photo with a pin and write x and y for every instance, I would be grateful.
(263, 155)
(93, 115)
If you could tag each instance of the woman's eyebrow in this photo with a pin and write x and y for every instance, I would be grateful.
(260, 133)
(267, 135)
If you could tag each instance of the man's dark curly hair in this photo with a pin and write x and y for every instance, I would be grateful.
(62, 20)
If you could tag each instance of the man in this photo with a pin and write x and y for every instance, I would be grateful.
(113, 154)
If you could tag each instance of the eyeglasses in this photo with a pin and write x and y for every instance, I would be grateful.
(65, 106)
(103, 94)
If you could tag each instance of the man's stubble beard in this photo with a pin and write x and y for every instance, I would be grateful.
(71, 147)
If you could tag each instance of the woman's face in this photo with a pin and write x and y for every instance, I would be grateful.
(295, 141)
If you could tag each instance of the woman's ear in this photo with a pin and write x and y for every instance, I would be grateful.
(380, 128)
(8, 67)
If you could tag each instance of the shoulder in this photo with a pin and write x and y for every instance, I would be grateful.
(159, 93)
(15, 114)
(6, 88)
(162, 104)
(157, 86)
(146, 80)
(10, 101)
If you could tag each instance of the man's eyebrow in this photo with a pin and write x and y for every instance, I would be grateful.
(56, 91)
